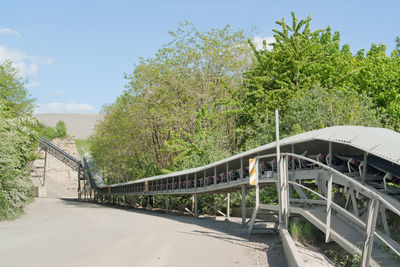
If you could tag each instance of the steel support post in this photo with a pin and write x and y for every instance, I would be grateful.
(228, 205)
(330, 155)
(364, 171)
(227, 174)
(243, 204)
(257, 207)
(328, 210)
(279, 168)
(166, 204)
(284, 201)
(44, 167)
(293, 177)
(196, 212)
(369, 232)
(384, 219)
(192, 198)
(215, 175)
(79, 184)
(241, 169)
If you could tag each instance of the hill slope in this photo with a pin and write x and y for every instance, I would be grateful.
(79, 126)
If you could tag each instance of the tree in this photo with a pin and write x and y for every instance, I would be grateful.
(61, 129)
(379, 79)
(18, 140)
(163, 98)
(299, 61)
(15, 97)
(319, 108)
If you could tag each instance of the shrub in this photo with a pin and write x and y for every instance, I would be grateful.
(16, 152)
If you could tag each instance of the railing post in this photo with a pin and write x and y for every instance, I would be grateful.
(328, 209)
(369, 232)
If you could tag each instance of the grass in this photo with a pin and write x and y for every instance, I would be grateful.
(83, 145)
(303, 230)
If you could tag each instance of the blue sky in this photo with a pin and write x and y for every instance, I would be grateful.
(74, 53)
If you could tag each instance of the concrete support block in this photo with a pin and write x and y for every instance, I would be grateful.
(40, 191)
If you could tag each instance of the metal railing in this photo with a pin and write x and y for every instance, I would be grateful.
(373, 208)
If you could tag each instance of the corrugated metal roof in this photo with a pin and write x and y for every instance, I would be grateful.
(381, 142)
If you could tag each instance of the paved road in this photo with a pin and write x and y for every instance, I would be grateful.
(64, 232)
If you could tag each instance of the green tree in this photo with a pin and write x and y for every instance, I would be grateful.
(18, 140)
(12, 91)
(61, 129)
(301, 60)
(163, 98)
(319, 108)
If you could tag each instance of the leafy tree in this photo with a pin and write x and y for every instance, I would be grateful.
(61, 129)
(49, 133)
(18, 140)
(301, 60)
(319, 108)
(163, 98)
(12, 90)
(379, 79)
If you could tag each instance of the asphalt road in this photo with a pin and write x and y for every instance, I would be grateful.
(64, 232)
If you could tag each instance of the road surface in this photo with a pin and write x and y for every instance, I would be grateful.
(64, 232)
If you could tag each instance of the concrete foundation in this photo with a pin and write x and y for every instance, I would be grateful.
(40, 191)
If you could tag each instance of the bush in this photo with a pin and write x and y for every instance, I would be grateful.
(49, 133)
(18, 140)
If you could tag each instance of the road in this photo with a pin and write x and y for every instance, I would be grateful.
(64, 232)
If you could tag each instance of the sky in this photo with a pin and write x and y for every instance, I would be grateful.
(73, 54)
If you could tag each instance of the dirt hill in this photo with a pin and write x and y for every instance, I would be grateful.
(78, 125)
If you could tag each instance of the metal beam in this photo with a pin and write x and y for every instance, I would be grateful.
(328, 210)
(196, 213)
(243, 204)
(166, 204)
(228, 205)
(369, 232)
(364, 171)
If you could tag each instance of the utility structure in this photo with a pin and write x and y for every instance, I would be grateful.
(343, 179)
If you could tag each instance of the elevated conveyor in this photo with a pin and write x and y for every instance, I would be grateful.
(337, 177)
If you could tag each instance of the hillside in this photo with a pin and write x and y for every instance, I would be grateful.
(78, 125)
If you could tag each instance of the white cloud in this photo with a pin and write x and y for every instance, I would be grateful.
(57, 107)
(27, 64)
(32, 84)
(9, 31)
(258, 42)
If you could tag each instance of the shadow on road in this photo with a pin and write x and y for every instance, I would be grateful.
(231, 231)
